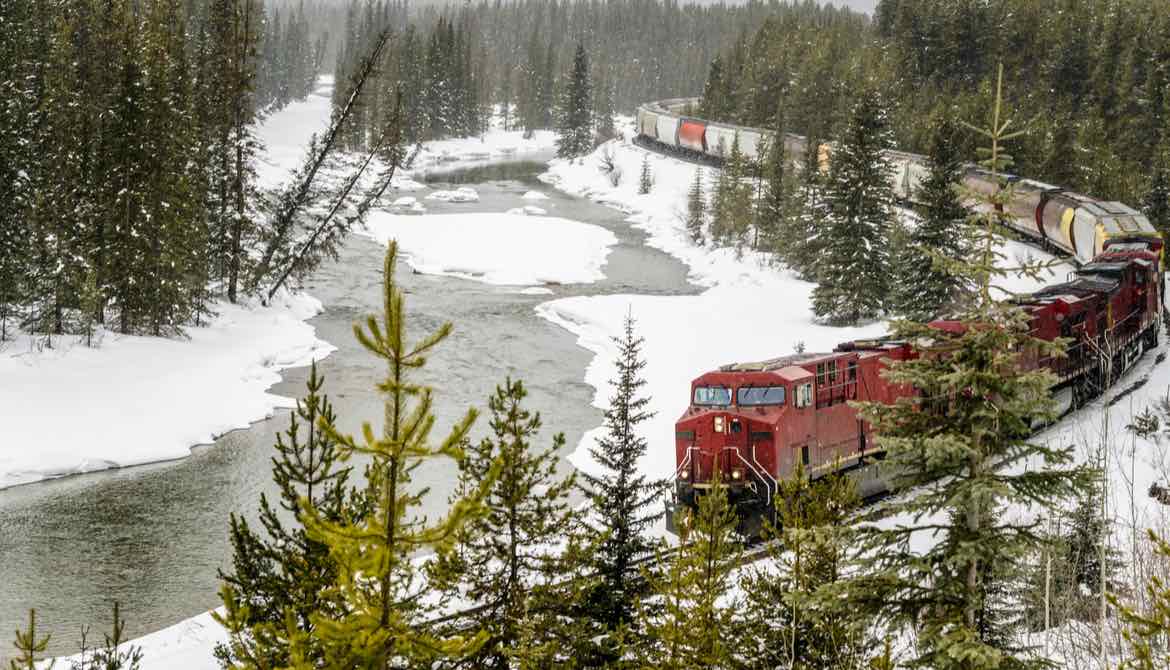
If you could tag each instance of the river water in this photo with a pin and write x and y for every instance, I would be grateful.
(153, 537)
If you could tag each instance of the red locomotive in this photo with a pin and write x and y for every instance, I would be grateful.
(754, 422)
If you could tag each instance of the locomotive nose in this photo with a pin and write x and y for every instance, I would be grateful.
(712, 445)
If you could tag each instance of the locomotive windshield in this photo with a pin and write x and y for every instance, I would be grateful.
(760, 395)
(712, 395)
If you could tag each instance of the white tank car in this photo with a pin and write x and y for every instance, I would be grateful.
(1070, 222)
(667, 129)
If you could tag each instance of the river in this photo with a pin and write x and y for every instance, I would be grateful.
(153, 537)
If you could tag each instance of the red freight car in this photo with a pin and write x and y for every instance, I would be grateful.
(692, 135)
(753, 422)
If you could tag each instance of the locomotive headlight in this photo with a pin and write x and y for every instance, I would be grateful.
(718, 424)
(684, 475)
(737, 475)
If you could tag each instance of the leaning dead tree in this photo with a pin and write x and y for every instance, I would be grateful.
(331, 228)
(293, 247)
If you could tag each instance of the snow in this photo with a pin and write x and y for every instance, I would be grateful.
(134, 400)
(495, 144)
(494, 248)
(187, 645)
(534, 195)
(461, 194)
(286, 134)
(408, 205)
(750, 309)
(528, 210)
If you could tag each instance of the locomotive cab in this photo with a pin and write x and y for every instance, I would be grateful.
(752, 425)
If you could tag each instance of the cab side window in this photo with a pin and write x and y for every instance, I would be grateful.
(802, 396)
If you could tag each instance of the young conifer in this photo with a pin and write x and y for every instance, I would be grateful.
(1156, 203)
(28, 646)
(576, 113)
(1147, 630)
(792, 607)
(696, 209)
(503, 556)
(957, 448)
(774, 204)
(621, 500)
(805, 216)
(690, 621)
(282, 572)
(925, 290)
(380, 620)
(853, 265)
(645, 179)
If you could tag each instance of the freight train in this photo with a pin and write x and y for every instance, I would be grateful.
(1056, 218)
(753, 425)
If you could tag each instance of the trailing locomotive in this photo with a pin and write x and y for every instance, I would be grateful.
(1059, 219)
(753, 423)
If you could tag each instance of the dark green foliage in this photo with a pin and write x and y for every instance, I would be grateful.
(924, 289)
(773, 206)
(645, 179)
(575, 113)
(697, 209)
(793, 615)
(801, 235)
(506, 561)
(622, 501)
(957, 451)
(731, 207)
(1068, 571)
(1156, 204)
(127, 156)
(281, 572)
(1095, 70)
(1148, 631)
(853, 263)
(689, 622)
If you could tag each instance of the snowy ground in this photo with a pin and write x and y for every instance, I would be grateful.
(748, 310)
(134, 400)
(506, 249)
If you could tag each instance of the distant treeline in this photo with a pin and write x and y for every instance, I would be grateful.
(1092, 76)
(460, 61)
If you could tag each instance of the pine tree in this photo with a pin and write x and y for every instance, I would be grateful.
(1147, 631)
(380, 622)
(645, 180)
(806, 216)
(621, 498)
(690, 620)
(576, 112)
(284, 573)
(792, 607)
(696, 209)
(774, 204)
(853, 266)
(1156, 204)
(924, 289)
(957, 448)
(504, 557)
(29, 646)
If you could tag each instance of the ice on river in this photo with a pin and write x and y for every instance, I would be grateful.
(461, 194)
(498, 248)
